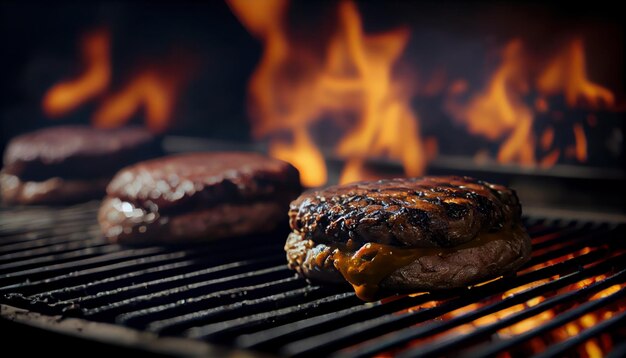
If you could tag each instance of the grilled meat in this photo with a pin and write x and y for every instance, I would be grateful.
(198, 196)
(407, 234)
(65, 164)
(424, 212)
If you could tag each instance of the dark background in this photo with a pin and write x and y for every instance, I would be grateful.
(39, 41)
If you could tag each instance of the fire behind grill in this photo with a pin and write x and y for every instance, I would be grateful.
(239, 293)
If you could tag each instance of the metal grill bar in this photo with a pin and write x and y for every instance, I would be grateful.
(93, 287)
(58, 259)
(54, 261)
(164, 316)
(28, 223)
(568, 234)
(245, 307)
(559, 349)
(552, 324)
(542, 256)
(45, 244)
(216, 331)
(186, 291)
(133, 290)
(107, 270)
(66, 281)
(65, 247)
(337, 336)
(367, 330)
(441, 326)
(227, 309)
(113, 254)
(445, 345)
(335, 339)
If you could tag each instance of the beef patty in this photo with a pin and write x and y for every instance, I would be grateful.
(414, 234)
(64, 164)
(198, 196)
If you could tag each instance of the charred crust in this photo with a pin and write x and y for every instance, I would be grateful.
(417, 217)
(422, 212)
(455, 211)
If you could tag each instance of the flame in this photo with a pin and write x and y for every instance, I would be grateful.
(154, 90)
(66, 96)
(547, 138)
(500, 112)
(550, 159)
(387, 125)
(303, 154)
(581, 142)
(567, 74)
(354, 78)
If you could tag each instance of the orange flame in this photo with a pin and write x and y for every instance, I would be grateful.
(567, 74)
(581, 142)
(155, 91)
(354, 77)
(387, 125)
(500, 113)
(66, 96)
(303, 154)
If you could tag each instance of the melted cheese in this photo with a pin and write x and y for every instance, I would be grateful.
(365, 267)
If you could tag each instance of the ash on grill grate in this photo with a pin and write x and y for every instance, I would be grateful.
(570, 296)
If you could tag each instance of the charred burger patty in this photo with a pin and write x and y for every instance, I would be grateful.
(407, 234)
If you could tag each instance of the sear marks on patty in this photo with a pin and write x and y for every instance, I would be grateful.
(420, 212)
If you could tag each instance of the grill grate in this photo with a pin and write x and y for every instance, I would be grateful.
(53, 261)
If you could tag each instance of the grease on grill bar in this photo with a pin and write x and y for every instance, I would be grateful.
(570, 298)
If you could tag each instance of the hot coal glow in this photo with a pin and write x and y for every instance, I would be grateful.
(595, 347)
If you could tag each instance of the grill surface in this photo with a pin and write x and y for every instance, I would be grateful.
(240, 294)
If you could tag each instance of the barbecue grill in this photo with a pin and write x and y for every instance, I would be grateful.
(526, 94)
(57, 273)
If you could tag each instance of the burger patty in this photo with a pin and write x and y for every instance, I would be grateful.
(67, 164)
(424, 212)
(417, 269)
(198, 196)
(77, 152)
(407, 234)
(124, 223)
(200, 180)
(51, 191)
